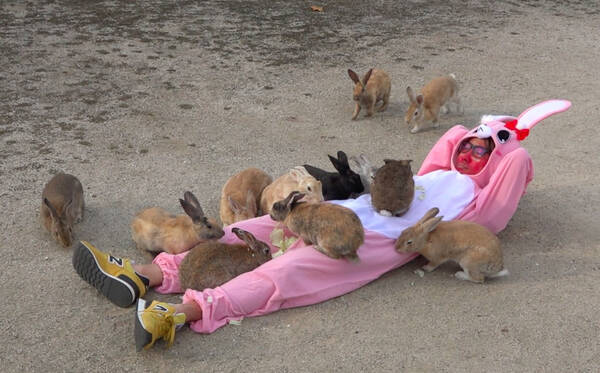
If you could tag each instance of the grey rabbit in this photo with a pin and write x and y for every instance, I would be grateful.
(210, 264)
(366, 170)
(62, 207)
(393, 188)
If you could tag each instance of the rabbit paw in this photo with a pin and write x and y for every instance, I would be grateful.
(429, 267)
(385, 213)
(463, 276)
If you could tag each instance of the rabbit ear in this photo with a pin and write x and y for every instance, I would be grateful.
(193, 212)
(301, 170)
(296, 197)
(341, 163)
(296, 174)
(251, 203)
(367, 76)
(420, 99)
(235, 207)
(405, 162)
(411, 95)
(428, 215)
(353, 76)
(243, 235)
(51, 208)
(430, 224)
(535, 114)
(292, 198)
(191, 198)
(248, 238)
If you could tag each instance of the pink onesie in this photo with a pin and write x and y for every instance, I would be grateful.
(303, 276)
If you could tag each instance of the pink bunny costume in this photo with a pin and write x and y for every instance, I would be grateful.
(304, 276)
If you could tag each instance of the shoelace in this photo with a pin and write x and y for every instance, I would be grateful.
(167, 328)
(165, 325)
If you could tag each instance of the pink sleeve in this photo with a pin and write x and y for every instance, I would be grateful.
(497, 202)
(441, 154)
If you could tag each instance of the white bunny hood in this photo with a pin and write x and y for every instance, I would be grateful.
(507, 133)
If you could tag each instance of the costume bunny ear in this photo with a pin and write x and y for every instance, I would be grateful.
(534, 115)
(541, 111)
(496, 118)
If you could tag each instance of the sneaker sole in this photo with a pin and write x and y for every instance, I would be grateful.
(116, 289)
(142, 337)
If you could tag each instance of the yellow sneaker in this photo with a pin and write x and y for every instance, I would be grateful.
(155, 321)
(114, 277)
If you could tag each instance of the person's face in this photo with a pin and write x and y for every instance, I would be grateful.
(472, 156)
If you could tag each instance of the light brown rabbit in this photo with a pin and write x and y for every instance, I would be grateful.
(475, 248)
(374, 87)
(210, 264)
(240, 197)
(393, 188)
(332, 229)
(62, 207)
(435, 96)
(155, 230)
(296, 179)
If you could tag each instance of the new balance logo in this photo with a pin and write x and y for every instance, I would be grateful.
(115, 260)
(158, 307)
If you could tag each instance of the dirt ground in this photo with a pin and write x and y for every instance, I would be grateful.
(145, 100)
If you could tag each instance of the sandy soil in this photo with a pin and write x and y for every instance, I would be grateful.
(144, 101)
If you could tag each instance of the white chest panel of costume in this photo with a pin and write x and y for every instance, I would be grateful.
(449, 191)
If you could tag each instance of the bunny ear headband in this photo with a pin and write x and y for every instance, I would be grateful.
(530, 117)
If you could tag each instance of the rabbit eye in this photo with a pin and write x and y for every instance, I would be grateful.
(409, 242)
(309, 188)
(416, 113)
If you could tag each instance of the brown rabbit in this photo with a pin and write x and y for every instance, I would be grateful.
(475, 248)
(62, 206)
(155, 230)
(210, 264)
(333, 230)
(374, 87)
(240, 197)
(296, 179)
(393, 188)
(434, 96)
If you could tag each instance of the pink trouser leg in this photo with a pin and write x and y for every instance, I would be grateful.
(302, 276)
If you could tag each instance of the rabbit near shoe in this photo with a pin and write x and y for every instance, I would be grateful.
(374, 87)
(210, 264)
(296, 179)
(240, 196)
(475, 248)
(62, 207)
(337, 185)
(365, 170)
(155, 230)
(393, 188)
(434, 96)
(333, 230)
